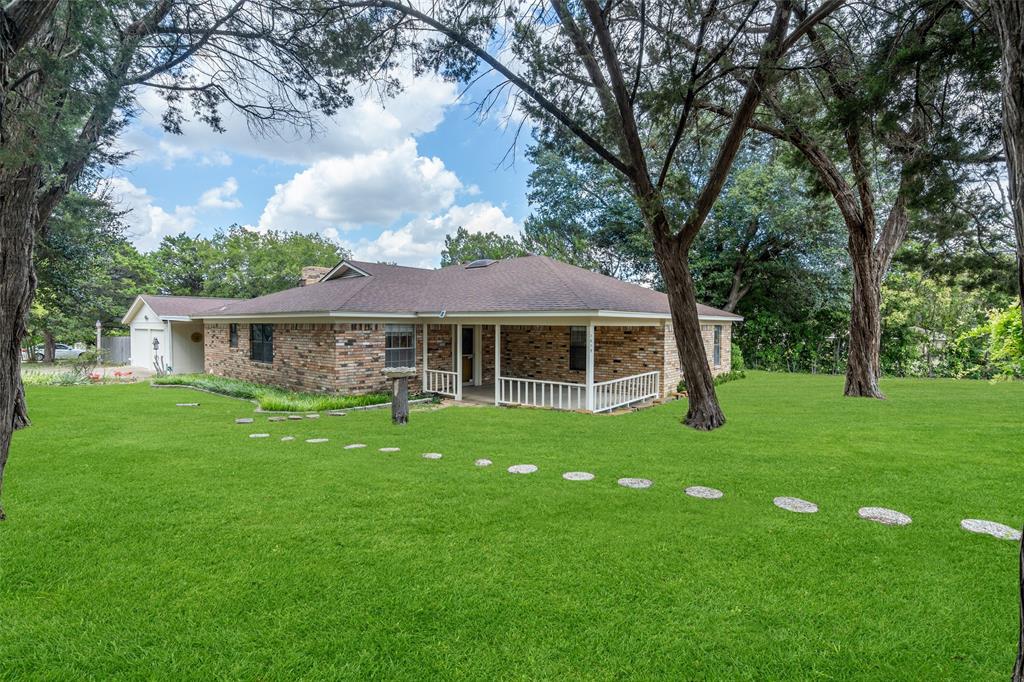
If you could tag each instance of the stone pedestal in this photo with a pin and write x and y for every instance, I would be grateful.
(400, 393)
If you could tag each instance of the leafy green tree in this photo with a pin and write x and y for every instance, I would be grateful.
(69, 74)
(465, 246)
(246, 263)
(618, 81)
(185, 264)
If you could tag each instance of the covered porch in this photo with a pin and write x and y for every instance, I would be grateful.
(593, 367)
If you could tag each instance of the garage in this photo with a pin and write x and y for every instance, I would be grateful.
(169, 330)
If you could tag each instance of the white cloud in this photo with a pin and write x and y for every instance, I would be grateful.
(420, 241)
(367, 125)
(375, 188)
(148, 223)
(222, 196)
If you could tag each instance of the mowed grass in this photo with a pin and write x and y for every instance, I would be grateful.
(151, 541)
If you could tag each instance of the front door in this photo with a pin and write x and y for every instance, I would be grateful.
(467, 355)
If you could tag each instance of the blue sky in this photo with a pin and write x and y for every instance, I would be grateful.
(387, 180)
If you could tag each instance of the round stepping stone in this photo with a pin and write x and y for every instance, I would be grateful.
(288, 438)
(522, 468)
(355, 446)
(259, 435)
(431, 455)
(275, 419)
(483, 462)
(638, 483)
(312, 416)
(336, 413)
(186, 404)
(888, 517)
(295, 417)
(316, 440)
(704, 493)
(996, 530)
(390, 449)
(244, 420)
(578, 476)
(795, 504)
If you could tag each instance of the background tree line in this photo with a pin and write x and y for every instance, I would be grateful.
(89, 270)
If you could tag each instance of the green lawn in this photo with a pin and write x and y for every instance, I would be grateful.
(147, 540)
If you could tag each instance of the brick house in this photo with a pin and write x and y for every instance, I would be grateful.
(530, 330)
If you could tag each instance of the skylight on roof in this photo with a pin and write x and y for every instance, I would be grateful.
(481, 263)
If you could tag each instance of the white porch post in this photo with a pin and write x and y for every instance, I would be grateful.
(497, 364)
(458, 362)
(425, 325)
(590, 367)
(478, 355)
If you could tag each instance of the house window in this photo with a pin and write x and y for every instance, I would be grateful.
(578, 348)
(261, 342)
(717, 350)
(399, 346)
(233, 335)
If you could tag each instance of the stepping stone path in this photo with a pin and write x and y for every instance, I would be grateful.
(996, 530)
(483, 462)
(295, 417)
(522, 468)
(578, 476)
(888, 517)
(336, 413)
(259, 435)
(287, 438)
(186, 404)
(316, 440)
(704, 493)
(276, 419)
(390, 449)
(638, 483)
(312, 416)
(795, 504)
(244, 420)
(431, 455)
(355, 446)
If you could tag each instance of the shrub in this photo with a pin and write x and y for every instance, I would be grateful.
(272, 398)
(737, 357)
(722, 378)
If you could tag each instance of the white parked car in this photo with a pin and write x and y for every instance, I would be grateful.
(62, 351)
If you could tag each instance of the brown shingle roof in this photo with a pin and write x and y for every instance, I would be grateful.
(184, 306)
(527, 284)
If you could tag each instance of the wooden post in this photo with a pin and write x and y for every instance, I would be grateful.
(497, 364)
(590, 367)
(400, 400)
(424, 387)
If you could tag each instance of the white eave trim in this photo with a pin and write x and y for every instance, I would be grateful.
(509, 314)
(133, 310)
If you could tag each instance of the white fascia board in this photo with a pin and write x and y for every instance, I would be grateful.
(133, 310)
(720, 318)
(176, 318)
(340, 266)
(344, 314)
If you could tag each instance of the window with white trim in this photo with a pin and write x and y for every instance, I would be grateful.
(399, 346)
(578, 348)
(717, 350)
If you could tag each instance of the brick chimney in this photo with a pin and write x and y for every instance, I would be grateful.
(311, 274)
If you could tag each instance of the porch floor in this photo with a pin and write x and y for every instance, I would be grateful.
(484, 395)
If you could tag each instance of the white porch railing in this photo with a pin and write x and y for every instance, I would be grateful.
(559, 395)
(439, 381)
(618, 392)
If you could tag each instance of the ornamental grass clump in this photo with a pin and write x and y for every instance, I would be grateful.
(271, 398)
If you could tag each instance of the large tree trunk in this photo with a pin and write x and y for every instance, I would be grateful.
(49, 347)
(704, 412)
(1008, 18)
(1018, 668)
(17, 287)
(863, 363)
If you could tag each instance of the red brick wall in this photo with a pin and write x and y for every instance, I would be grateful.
(349, 358)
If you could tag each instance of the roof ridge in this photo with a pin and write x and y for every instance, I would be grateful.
(549, 262)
